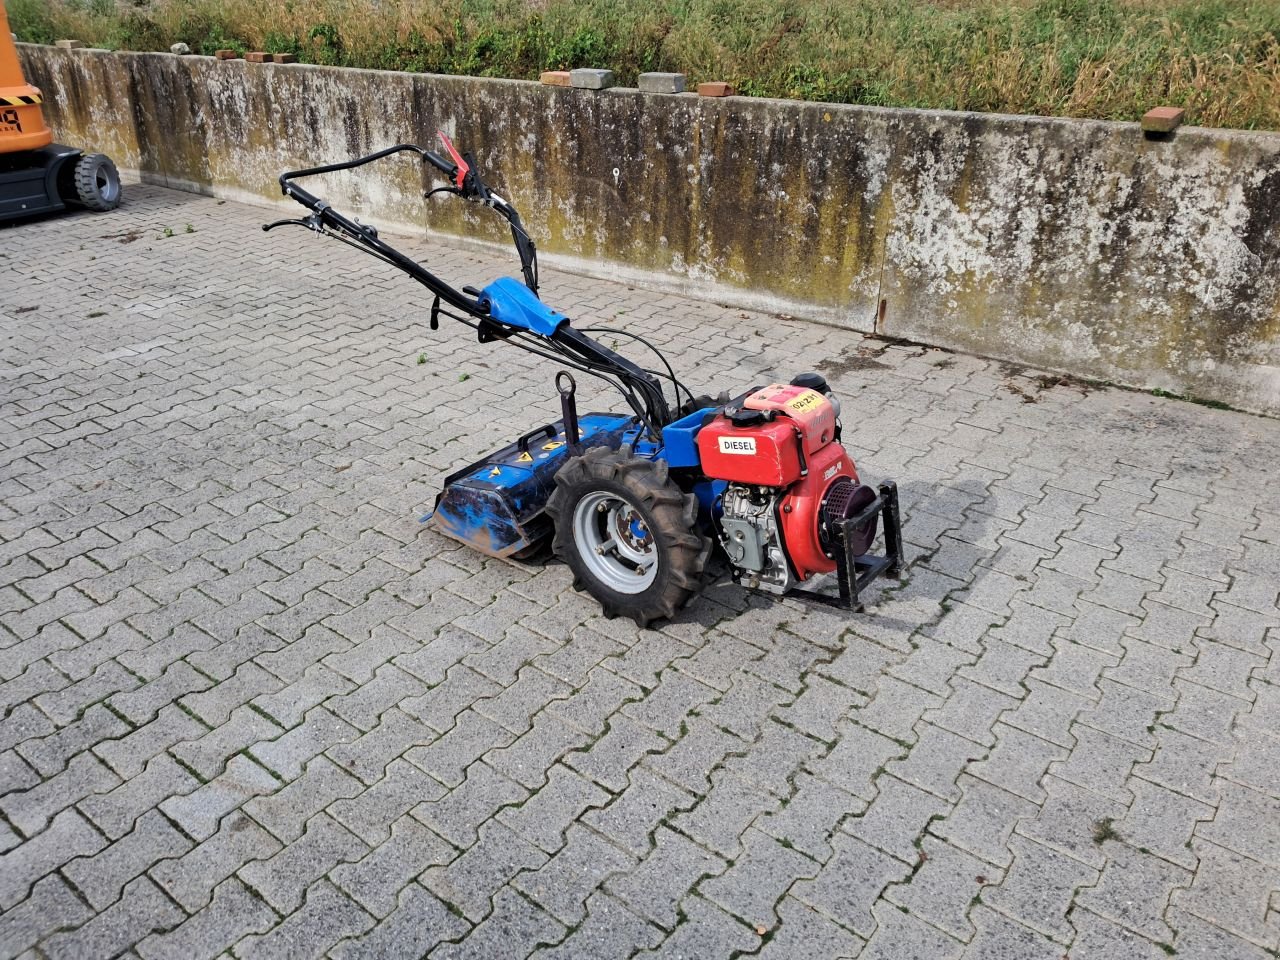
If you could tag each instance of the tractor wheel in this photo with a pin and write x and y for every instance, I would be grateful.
(97, 183)
(628, 533)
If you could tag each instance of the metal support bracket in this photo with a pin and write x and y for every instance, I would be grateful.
(855, 573)
(569, 411)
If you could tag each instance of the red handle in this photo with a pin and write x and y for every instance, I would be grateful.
(463, 167)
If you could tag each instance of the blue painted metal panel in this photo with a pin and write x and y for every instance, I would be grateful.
(497, 504)
(637, 438)
(514, 304)
(679, 439)
(708, 493)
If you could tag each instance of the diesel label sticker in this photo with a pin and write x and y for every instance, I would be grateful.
(745, 445)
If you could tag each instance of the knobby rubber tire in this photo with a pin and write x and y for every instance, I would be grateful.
(89, 192)
(670, 515)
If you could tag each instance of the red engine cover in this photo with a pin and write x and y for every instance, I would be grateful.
(811, 411)
(766, 454)
(800, 507)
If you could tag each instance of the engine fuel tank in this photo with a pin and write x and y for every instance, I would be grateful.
(761, 454)
(768, 442)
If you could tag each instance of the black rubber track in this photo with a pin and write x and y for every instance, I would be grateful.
(670, 514)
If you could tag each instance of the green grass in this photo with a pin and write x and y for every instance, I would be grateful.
(1104, 830)
(1110, 59)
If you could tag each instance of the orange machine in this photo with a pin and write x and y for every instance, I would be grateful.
(36, 174)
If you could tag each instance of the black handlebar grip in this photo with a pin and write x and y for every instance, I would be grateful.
(449, 169)
(295, 192)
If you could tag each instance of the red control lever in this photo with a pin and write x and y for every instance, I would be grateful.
(463, 167)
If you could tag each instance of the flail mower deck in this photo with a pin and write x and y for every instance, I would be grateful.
(634, 502)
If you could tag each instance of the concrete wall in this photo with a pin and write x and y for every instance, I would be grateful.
(1078, 246)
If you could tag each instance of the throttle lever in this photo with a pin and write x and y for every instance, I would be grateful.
(435, 313)
(460, 166)
(308, 222)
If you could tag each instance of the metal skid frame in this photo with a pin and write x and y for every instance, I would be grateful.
(854, 573)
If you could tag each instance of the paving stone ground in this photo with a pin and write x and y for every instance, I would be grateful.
(252, 708)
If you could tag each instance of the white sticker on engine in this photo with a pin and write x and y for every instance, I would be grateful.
(745, 445)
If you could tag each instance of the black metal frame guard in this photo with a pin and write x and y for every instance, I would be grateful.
(854, 573)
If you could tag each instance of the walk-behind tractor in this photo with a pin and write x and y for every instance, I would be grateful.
(36, 174)
(634, 502)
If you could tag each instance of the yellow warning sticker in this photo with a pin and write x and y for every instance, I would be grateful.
(495, 471)
(525, 457)
(553, 445)
(805, 401)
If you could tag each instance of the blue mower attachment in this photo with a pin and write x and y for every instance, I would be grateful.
(634, 502)
(498, 505)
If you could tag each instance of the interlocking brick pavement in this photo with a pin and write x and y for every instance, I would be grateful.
(252, 708)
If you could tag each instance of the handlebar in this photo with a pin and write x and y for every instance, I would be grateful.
(323, 215)
(638, 385)
(428, 156)
(312, 202)
(464, 181)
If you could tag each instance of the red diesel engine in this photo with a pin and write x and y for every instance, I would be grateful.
(788, 479)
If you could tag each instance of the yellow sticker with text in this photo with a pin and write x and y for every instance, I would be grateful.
(805, 401)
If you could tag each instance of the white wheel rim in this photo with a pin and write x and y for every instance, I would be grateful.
(615, 542)
(108, 185)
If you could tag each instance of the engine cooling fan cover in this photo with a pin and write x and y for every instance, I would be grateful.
(843, 500)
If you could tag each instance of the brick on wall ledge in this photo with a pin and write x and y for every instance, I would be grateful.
(716, 88)
(1162, 119)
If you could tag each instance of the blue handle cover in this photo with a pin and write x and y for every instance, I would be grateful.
(514, 304)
